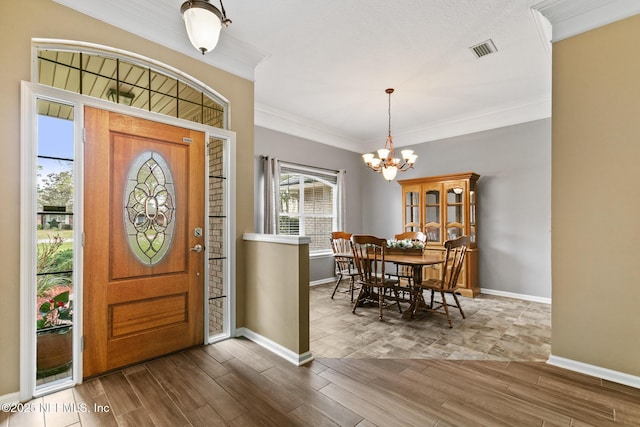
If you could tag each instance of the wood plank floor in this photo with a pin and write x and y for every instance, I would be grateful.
(238, 383)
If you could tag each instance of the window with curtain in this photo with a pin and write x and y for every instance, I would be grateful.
(308, 204)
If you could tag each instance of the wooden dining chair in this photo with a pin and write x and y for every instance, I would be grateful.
(433, 234)
(411, 226)
(455, 251)
(405, 272)
(341, 245)
(368, 256)
(417, 236)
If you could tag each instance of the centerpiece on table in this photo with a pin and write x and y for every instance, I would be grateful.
(404, 247)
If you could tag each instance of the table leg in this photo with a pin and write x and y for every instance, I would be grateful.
(416, 292)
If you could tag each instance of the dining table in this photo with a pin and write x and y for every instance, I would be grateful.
(416, 262)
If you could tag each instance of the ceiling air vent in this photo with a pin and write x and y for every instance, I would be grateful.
(484, 48)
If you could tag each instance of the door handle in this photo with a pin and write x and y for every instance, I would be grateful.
(196, 248)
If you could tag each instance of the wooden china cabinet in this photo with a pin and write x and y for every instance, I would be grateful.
(444, 207)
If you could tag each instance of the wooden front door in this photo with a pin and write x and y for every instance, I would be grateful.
(143, 215)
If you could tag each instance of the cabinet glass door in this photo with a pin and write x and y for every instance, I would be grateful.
(455, 211)
(412, 211)
(432, 214)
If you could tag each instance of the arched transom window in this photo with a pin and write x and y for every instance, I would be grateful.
(131, 82)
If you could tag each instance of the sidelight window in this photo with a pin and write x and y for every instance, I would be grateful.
(54, 245)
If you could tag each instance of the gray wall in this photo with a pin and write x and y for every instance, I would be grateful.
(514, 201)
(298, 150)
(514, 196)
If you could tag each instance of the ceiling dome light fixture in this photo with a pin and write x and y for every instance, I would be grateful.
(386, 162)
(204, 22)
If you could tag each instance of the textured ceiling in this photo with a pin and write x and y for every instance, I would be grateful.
(321, 68)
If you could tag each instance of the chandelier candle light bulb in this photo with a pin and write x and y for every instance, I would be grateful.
(386, 162)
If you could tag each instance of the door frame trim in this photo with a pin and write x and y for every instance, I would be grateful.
(30, 92)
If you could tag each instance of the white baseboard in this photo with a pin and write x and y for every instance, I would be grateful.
(323, 281)
(10, 398)
(274, 347)
(516, 296)
(595, 371)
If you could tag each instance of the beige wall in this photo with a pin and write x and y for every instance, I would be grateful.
(19, 22)
(595, 201)
(278, 293)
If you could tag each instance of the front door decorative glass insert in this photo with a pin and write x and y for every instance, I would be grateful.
(149, 207)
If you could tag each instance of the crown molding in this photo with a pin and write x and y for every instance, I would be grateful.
(573, 17)
(543, 26)
(291, 124)
(480, 121)
(231, 55)
(271, 118)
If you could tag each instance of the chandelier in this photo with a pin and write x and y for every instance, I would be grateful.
(386, 162)
(204, 22)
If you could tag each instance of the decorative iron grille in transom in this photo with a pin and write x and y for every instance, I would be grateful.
(149, 211)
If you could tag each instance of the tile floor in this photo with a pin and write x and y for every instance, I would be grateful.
(495, 328)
